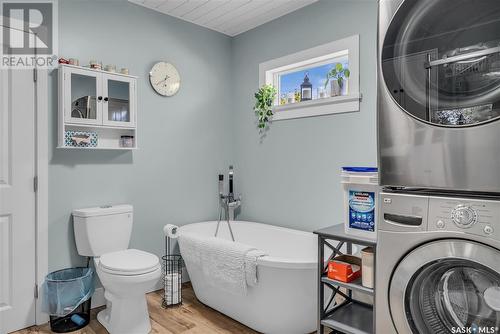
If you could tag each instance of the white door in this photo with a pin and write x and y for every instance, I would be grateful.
(17, 200)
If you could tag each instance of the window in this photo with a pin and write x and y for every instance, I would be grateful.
(290, 82)
(304, 86)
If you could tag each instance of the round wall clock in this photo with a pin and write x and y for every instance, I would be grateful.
(165, 79)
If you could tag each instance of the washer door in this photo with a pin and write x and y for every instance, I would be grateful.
(445, 286)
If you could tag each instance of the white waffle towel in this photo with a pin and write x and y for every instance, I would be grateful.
(228, 265)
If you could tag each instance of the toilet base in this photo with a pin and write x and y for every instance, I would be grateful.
(125, 315)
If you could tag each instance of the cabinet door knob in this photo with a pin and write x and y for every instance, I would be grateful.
(106, 99)
(99, 98)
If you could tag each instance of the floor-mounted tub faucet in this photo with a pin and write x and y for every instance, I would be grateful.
(227, 203)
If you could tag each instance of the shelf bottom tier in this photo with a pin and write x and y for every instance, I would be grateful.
(100, 138)
(351, 318)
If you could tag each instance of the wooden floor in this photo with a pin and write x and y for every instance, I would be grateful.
(191, 317)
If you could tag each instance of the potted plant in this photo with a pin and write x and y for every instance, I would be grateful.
(264, 100)
(337, 75)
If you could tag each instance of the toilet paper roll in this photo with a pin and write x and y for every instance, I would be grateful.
(172, 288)
(172, 301)
(171, 231)
(173, 278)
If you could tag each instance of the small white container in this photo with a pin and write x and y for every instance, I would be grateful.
(367, 273)
(127, 141)
(110, 68)
(360, 201)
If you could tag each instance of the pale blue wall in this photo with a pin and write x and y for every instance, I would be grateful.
(291, 177)
(172, 178)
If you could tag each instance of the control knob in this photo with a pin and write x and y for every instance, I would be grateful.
(464, 216)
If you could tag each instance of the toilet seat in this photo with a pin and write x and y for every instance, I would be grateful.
(129, 262)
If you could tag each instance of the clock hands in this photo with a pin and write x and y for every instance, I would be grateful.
(166, 78)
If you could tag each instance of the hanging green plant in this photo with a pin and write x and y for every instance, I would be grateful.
(264, 100)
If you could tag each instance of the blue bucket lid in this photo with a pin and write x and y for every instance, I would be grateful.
(360, 169)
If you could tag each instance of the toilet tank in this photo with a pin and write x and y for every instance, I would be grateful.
(103, 229)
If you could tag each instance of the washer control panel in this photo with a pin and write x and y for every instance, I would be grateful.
(474, 216)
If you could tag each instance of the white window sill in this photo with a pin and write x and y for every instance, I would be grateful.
(326, 106)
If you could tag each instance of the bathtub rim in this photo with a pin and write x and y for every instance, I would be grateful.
(272, 261)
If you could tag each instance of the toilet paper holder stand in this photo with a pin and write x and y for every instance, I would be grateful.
(172, 265)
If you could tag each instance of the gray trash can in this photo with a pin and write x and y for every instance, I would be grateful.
(67, 297)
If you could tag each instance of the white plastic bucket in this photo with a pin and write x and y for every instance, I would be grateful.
(360, 201)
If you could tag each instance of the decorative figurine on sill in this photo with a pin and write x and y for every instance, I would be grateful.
(283, 99)
(297, 96)
(306, 89)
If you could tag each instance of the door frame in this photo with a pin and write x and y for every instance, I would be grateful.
(42, 193)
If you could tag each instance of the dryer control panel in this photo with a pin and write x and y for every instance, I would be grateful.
(474, 216)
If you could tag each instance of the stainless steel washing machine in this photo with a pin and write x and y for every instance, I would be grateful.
(439, 94)
(438, 264)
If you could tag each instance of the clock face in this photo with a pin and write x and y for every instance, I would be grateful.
(165, 79)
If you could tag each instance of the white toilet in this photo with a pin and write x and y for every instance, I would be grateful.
(126, 274)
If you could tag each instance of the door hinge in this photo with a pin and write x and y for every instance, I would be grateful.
(36, 291)
(35, 184)
(35, 74)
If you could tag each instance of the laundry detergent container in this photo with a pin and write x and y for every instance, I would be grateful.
(361, 190)
(67, 297)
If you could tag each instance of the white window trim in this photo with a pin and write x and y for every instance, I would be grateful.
(269, 70)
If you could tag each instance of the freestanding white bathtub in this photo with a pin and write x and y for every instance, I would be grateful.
(285, 298)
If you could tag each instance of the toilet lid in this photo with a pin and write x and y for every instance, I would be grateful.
(129, 261)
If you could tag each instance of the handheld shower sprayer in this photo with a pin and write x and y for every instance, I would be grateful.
(221, 185)
(231, 186)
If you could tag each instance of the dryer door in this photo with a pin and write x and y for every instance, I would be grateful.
(441, 60)
(439, 94)
(447, 286)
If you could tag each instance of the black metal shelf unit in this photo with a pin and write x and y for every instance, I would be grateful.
(351, 316)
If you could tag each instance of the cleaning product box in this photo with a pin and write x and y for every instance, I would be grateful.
(344, 268)
(360, 200)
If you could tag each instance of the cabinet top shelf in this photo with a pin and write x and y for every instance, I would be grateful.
(98, 71)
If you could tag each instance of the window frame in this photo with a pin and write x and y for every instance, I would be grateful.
(270, 71)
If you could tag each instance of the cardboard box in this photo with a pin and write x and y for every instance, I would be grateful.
(344, 268)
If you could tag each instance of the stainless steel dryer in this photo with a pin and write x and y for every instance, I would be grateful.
(438, 265)
(439, 94)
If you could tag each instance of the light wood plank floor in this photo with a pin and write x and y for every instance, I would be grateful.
(191, 317)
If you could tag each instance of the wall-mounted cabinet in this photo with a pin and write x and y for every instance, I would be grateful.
(97, 109)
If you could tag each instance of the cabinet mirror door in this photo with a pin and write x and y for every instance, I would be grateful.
(83, 102)
(119, 104)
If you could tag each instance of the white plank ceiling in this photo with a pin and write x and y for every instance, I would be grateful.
(230, 17)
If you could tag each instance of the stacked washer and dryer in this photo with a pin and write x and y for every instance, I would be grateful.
(438, 253)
